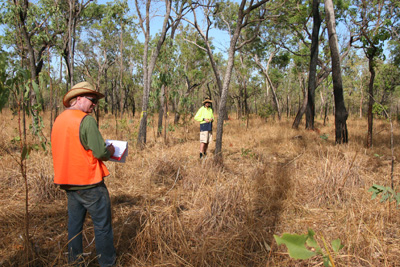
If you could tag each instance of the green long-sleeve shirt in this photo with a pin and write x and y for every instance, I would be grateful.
(91, 138)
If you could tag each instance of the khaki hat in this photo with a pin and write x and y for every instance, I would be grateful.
(78, 89)
(207, 100)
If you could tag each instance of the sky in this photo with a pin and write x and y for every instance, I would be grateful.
(220, 38)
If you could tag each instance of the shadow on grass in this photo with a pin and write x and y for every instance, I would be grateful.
(48, 234)
(273, 185)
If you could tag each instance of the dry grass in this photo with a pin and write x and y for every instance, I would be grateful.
(171, 209)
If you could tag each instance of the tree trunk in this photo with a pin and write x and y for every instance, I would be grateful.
(326, 112)
(51, 90)
(165, 116)
(361, 102)
(161, 111)
(148, 67)
(275, 98)
(340, 109)
(287, 106)
(371, 99)
(225, 87)
(121, 68)
(302, 108)
(310, 112)
(269, 82)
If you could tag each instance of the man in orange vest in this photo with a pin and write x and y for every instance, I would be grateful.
(78, 154)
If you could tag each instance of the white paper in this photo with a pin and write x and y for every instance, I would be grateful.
(121, 150)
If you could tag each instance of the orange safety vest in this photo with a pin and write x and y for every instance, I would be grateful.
(73, 165)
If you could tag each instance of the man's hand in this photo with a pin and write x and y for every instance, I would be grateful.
(111, 149)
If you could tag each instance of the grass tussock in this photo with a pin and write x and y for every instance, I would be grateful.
(172, 209)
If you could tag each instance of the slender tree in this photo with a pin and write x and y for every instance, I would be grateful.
(244, 18)
(271, 85)
(148, 66)
(374, 27)
(340, 109)
(310, 112)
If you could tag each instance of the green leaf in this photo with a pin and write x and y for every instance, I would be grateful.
(324, 136)
(312, 242)
(326, 261)
(27, 90)
(25, 152)
(375, 191)
(336, 245)
(296, 245)
(4, 95)
(35, 88)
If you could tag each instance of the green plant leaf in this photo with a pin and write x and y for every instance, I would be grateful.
(311, 242)
(326, 261)
(336, 245)
(35, 88)
(25, 152)
(376, 190)
(324, 137)
(27, 90)
(296, 245)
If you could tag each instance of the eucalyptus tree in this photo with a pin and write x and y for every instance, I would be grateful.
(248, 83)
(28, 32)
(265, 71)
(341, 134)
(150, 62)
(170, 79)
(164, 75)
(95, 55)
(106, 60)
(290, 30)
(287, 30)
(355, 72)
(242, 73)
(72, 17)
(27, 36)
(394, 46)
(241, 15)
(193, 67)
(118, 22)
(373, 22)
(4, 89)
(387, 82)
(310, 112)
(300, 30)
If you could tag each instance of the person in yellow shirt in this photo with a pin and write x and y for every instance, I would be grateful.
(206, 117)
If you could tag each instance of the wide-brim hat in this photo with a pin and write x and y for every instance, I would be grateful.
(78, 89)
(207, 100)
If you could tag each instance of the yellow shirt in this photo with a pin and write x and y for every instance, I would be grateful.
(204, 113)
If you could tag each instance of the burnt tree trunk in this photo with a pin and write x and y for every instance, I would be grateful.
(340, 109)
(310, 111)
(302, 108)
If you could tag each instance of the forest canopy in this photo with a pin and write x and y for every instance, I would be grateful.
(251, 57)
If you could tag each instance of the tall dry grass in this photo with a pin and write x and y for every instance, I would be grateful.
(171, 209)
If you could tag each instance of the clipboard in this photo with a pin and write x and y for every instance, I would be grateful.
(121, 150)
